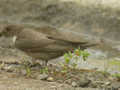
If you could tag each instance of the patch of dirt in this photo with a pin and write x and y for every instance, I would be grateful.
(14, 81)
(76, 78)
(84, 78)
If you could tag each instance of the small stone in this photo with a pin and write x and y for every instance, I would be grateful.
(60, 81)
(51, 79)
(99, 82)
(83, 82)
(69, 81)
(9, 68)
(61, 85)
(74, 84)
(111, 78)
(42, 76)
(107, 83)
(53, 87)
(24, 72)
(116, 85)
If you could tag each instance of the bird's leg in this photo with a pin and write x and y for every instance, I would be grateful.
(45, 63)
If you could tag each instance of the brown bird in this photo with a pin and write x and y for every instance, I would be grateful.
(44, 43)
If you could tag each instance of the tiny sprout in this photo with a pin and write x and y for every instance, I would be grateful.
(71, 59)
(67, 58)
(28, 70)
(85, 55)
(44, 70)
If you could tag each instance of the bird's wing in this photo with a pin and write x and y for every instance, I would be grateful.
(25, 43)
(32, 39)
(42, 45)
(67, 35)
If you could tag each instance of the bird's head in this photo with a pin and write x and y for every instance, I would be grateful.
(11, 30)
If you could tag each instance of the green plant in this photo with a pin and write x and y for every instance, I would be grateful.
(28, 71)
(117, 75)
(27, 67)
(105, 73)
(71, 59)
(115, 64)
(44, 70)
(2, 65)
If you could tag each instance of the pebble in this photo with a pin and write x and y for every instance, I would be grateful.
(83, 82)
(24, 72)
(42, 76)
(116, 85)
(50, 79)
(9, 68)
(74, 84)
(107, 83)
(69, 81)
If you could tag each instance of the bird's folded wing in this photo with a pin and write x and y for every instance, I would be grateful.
(29, 44)
(68, 35)
(43, 45)
(32, 39)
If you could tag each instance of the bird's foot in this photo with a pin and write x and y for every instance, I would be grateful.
(44, 64)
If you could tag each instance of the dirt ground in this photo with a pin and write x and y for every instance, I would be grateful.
(9, 81)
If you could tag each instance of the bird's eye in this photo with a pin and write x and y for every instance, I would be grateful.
(8, 29)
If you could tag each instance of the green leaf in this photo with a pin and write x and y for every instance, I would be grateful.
(74, 65)
(67, 60)
(70, 54)
(28, 70)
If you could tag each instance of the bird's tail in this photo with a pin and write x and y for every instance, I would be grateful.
(82, 45)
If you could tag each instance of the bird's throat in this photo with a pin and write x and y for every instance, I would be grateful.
(14, 39)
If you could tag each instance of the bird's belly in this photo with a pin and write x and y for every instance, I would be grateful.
(44, 55)
(48, 49)
(57, 48)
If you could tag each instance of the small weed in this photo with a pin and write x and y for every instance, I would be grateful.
(2, 65)
(115, 62)
(71, 59)
(117, 75)
(27, 67)
(105, 73)
(28, 71)
(44, 70)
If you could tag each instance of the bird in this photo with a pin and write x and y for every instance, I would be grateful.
(44, 43)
